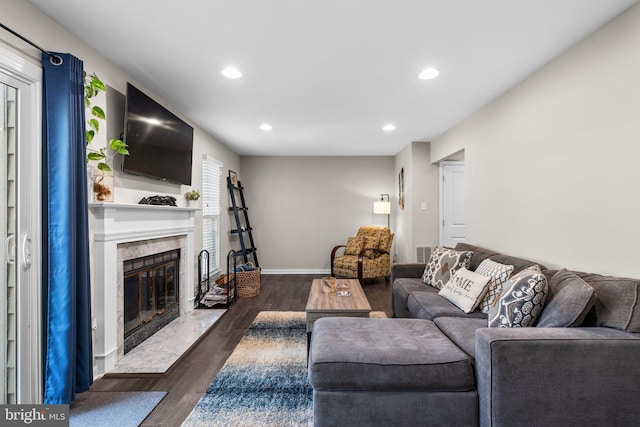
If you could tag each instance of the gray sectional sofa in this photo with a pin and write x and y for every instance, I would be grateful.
(435, 365)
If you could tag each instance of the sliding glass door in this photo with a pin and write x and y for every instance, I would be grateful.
(8, 277)
(20, 293)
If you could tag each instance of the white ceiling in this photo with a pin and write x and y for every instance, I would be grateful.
(327, 75)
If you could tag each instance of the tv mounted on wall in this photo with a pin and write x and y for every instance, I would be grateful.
(160, 144)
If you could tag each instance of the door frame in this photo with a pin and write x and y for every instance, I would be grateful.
(18, 70)
(441, 189)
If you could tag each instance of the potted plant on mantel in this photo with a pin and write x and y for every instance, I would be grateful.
(102, 173)
(191, 196)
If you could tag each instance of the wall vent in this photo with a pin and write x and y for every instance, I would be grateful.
(423, 253)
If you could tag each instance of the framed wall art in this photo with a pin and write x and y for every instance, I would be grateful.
(401, 189)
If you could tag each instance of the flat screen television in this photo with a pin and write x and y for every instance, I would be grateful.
(160, 144)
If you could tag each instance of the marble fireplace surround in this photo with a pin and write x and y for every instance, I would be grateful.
(124, 232)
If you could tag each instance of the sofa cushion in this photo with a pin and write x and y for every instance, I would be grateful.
(465, 289)
(521, 301)
(570, 299)
(499, 274)
(479, 254)
(401, 289)
(393, 354)
(427, 304)
(617, 304)
(462, 331)
(519, 264)
(443, 264)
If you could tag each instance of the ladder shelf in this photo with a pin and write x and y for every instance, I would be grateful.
(243, 228)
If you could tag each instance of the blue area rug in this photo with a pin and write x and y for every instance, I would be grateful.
(113, 408)
(264, 381)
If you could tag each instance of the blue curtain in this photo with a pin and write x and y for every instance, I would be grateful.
(66, 287)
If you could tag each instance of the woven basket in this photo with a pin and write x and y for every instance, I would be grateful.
(248, 283)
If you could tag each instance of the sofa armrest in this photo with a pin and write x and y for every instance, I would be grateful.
(410, 270)
(557, 376)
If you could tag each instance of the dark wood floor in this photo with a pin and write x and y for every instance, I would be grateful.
(188, 379)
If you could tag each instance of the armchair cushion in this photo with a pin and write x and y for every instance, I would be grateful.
(371, 246)
(354, 246)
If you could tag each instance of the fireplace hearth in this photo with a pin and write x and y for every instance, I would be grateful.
(151, 295)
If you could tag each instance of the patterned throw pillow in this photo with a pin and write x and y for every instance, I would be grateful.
(521, 301)
(499, 274)
(371, 245)
(354, 246)
(386, 240)
(443, 264)
(465, 289)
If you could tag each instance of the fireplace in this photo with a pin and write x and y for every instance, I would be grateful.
(128, 232)
(151, 295)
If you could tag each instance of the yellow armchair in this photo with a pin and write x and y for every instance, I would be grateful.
(365, 256)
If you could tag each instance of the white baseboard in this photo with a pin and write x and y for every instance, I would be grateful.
(294, 271)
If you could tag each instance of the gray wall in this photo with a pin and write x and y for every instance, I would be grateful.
(129, 189)
(413, 225)
(301, 207)
(552, 166)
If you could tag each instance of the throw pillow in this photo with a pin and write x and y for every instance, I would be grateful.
(465, 289)
(570, 299)
(618, 302)
(499, 274)
(443, 264)
(354, 246)
(371, 246)
(521, 301)
(386, 240)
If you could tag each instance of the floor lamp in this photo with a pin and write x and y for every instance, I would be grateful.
(383, 207)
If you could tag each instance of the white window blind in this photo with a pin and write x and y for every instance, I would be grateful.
(211, 193)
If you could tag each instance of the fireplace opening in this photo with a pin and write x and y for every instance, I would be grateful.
(151, 297)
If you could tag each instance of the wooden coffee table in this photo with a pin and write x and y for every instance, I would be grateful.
(321, 304)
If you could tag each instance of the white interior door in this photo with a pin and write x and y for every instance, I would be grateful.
(20, 225)
(452, 224)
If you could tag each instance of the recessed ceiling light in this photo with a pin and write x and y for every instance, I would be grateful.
(388, 128)
(231, 73)
(265, 126)
(428, 74)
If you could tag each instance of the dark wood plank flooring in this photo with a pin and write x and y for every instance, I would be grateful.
(188, 379)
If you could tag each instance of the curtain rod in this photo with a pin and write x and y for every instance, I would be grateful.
(55, 59)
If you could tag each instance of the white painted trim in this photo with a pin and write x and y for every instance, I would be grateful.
(296, 271)
(19, 68)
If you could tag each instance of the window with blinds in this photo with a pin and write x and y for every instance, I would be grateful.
(211, 182)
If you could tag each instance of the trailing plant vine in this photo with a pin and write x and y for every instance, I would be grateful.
(92, 87)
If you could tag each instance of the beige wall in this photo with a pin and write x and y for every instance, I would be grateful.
(301, 207)
(552, 166)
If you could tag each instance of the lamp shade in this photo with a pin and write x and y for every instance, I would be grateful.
(382, 207)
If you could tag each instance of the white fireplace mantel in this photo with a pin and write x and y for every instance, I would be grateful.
(121, 223)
